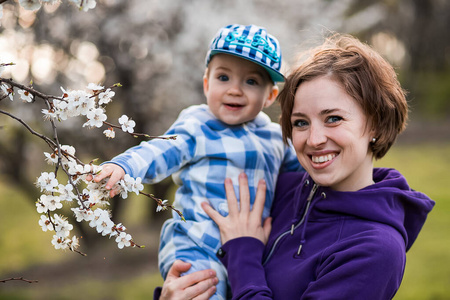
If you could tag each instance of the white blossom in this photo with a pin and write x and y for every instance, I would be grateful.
(49, 113)
(50, 202)
(88, 4)
(59, 243)
(47, 182)
(132, 185)
(105, 225)
(78, 172)
(66, 192)
(69, 149)
(80, 102)
(63, 227)
(87, 105)
(95, 87)
(95, 118)
(30, 4)
(83, 214)
(162, 206)
(67, 154)
(99, 216)
(50, 1)
(8, 91)
(110, 133)
(51, 158)
(73, 243)
(96, 195)
(127, 124)
(123, 240)
(105, 97)
(45, 223)
(61, 109)
(25, 96)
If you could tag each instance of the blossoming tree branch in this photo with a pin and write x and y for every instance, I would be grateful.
(83, 5)
(88, 198)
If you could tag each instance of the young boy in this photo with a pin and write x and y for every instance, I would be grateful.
(224, 138)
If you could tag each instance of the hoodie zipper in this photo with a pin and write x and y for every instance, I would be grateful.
(294, 226)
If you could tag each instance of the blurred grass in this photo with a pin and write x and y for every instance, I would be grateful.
(23, 244)
(427, 274)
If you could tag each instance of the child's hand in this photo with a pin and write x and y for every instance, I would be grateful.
(114, 172)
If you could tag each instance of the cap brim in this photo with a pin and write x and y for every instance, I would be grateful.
(274, 75)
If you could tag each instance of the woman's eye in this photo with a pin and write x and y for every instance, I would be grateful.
(223, 77)
(333, 119)
(299, 123)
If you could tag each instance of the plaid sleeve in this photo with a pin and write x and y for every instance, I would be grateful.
(157, 159)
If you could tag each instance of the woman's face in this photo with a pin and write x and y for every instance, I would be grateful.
(330, 135)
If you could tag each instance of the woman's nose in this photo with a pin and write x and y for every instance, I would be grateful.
(317, 136)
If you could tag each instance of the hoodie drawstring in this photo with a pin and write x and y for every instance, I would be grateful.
(305, 218)
(294, 226)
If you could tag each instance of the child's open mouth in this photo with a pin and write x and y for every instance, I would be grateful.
(234, 105)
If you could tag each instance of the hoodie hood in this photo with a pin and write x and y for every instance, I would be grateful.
(390, 201)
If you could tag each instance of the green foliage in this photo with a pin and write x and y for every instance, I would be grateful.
(21, 237)
(430, 93)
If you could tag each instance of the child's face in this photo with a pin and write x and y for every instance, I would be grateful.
(330, 135)
(236, 89)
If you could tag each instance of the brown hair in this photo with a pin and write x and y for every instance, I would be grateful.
(365, 76)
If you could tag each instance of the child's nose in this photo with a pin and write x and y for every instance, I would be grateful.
(235, 89)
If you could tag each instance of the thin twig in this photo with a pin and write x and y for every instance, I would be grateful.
(29, 89)
(172, 137)
(18, 278)
(46, 139)
(160, 202)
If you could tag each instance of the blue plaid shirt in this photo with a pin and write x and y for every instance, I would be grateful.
(205, 152)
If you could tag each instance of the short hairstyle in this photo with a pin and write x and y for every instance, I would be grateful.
(365, 76)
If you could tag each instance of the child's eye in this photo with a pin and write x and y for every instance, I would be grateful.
(333, 119)
(223, 77)
(252, 82)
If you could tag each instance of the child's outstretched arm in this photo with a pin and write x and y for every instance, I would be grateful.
(114, 172)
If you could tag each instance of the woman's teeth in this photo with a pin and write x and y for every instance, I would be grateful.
(323, 158)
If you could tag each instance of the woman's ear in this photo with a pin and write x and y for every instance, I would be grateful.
(272, 96)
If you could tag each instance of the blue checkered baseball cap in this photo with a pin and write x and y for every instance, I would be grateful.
(250, 42)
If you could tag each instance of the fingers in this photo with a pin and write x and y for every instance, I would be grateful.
(267, 227)
(207, 294)
(244, 193)
(233, 208)
(114, 172)
(212, 213)
(105, 172)
(116, 175)
(199, 283)
(177, 268)
(260, 199)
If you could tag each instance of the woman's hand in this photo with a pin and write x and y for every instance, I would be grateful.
(242, 222)
(198, 285)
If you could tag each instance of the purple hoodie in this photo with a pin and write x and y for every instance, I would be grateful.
(338, 245)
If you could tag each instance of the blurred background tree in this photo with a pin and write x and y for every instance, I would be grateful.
(156, 50)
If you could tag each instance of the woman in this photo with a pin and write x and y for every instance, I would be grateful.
(341, 230)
